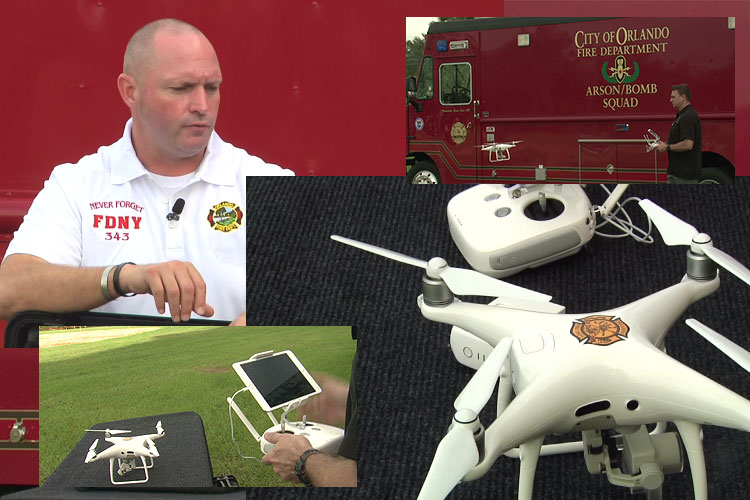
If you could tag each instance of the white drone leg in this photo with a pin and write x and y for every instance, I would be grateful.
(504, 390)
(529, 458)
(145, 469)
(692, 438)
(147, 466)
(111, 469)
(661, 428)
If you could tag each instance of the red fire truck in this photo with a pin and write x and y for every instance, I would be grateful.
(578, 93)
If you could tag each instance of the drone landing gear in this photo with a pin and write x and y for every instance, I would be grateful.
(634, 458)
(125, 465)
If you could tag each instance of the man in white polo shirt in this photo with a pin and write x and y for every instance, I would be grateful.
(159, 214)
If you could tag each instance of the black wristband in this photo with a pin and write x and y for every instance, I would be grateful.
(299, 467)
(669, 147)
(116, 280)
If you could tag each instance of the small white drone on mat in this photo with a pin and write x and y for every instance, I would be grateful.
(126, 450)
(540, 355)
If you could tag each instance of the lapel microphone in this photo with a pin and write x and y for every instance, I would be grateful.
(174, 215)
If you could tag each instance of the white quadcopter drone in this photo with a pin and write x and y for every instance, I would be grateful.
(540, 355)
(651, 142)
(126, 450)
(499, 151)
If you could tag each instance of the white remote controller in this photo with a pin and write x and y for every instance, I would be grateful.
(504, 229)
(325, 438)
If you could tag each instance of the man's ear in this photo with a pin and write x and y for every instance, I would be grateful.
(127, 86)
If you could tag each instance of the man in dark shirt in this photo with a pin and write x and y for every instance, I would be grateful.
(684, 143)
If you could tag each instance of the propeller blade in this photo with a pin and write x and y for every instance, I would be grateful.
(455, 456)
(152, 447)
(530, 305)
(481, 386)
(460, 281)
(470, 282)
(388, 254)
(677, 232)
(727, 262)
(673, 230)
(92, 452)
(735, 352)
(111, 431)
(159, 428)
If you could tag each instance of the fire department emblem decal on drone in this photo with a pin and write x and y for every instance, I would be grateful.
(599, 330)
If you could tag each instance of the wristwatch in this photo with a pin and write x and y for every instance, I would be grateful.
(299, 467)
(669, 147)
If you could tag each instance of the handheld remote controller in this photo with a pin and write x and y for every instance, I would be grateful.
(325, 438)
(504, 229)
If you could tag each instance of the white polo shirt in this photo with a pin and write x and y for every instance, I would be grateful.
(108, 209)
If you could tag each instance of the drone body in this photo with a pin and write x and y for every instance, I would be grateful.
(126, 450)
(583, 373)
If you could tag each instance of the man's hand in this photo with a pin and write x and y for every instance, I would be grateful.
(175, 283)
(239, 321)
(285, 453)
(661, 147)
(328, 407)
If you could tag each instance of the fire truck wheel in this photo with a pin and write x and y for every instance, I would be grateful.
(713, 175)
(423, 172)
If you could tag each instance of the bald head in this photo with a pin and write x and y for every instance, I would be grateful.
(140, 53)
(170, 82)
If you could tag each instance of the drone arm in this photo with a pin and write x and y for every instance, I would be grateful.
(656, 314)
(485, 322)
(692, 439)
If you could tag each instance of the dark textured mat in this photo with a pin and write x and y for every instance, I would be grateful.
(408, 377)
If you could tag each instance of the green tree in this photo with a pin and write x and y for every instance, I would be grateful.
(414, 49)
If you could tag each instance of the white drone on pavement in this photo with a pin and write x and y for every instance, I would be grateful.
(499, 151)
(126, 450)
(540, 355)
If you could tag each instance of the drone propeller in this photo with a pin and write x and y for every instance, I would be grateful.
(159, 428)
(92, 452)
(479, 389)
(460, 281)
(677, 232)
(735, 352)
(108, 431)
(457, 452)
(152, 447)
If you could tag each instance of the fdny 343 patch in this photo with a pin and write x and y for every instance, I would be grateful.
(599, 330)
(225, 217)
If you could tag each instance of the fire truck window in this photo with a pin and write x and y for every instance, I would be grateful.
(455, 83)
(425, 86)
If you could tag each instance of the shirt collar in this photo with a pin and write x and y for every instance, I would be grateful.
(126, 166)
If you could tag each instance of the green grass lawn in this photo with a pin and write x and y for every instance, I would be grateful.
(170, 370)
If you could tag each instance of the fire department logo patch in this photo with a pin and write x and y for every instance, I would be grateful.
(599, 330)
(225, 217)
(458, 132)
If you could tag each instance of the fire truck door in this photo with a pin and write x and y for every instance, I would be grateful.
(458, 122)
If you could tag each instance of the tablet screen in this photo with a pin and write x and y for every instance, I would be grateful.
(277, 379)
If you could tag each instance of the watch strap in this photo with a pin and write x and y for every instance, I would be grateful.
(116, 280)
(299, 467)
